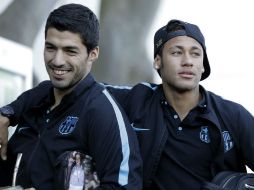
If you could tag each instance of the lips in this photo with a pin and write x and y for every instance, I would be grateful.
(186, 74)
(59, 72)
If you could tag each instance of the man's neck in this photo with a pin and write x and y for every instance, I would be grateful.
(59, 94)
(182, 102)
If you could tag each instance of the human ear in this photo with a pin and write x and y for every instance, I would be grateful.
(94, 54)
(157, 62)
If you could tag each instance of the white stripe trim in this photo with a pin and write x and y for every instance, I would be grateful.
(149, 85)
(117, 87)
(124, 167)
(153, 87)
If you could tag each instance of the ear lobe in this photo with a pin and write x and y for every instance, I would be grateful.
(157, 62)
(94, 54)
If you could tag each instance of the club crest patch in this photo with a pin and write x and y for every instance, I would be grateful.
(228, 142)
(68, 125)
(204, 134)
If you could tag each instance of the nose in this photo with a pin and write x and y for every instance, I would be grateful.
(59, 58)
(187, 60)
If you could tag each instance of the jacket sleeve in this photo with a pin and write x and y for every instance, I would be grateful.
(120, 93)
(245, 129)
(24, 100)
(240, 123)
(132, 99)
(114, 147)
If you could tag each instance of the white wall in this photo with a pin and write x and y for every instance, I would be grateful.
(15, 71)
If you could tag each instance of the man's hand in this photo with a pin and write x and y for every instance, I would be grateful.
(4, 123)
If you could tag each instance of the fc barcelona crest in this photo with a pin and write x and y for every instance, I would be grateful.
(204, 134)
(68, 125)
(228, 142)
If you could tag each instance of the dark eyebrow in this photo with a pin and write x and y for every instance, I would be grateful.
(181, 47)
(71, 47)
(177, 47)
(196, 48)
(49, 44)
(66, 47)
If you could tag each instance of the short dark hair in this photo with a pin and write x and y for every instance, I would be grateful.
(78, 19)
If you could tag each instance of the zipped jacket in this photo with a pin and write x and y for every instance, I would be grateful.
(88, 120)
(142, 103)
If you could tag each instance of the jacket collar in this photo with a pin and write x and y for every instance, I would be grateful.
(48, 99)
(205, 105)
(209, 112)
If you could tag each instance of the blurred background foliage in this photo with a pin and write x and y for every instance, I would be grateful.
(124, 28)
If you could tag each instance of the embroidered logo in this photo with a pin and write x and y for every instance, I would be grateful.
(68, 125)
(228, 142)
(204, 134)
